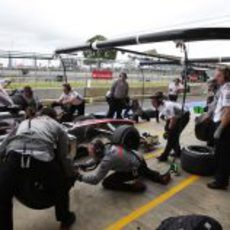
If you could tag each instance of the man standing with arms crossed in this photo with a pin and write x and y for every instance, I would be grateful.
(119, 94)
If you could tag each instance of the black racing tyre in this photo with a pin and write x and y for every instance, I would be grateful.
(150, 113)
(189, 222)
(202, 129)
(31, 193)
(199, 160)
(127, 136)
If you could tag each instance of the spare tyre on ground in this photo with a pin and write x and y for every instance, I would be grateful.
(190, 222)
(199, 160)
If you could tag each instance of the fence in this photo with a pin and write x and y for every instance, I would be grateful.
(49, 78)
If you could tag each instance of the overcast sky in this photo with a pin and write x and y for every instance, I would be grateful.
(44, 25)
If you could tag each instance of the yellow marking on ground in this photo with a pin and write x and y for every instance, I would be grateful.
(120, 224)
(153, 154)
(156, 152)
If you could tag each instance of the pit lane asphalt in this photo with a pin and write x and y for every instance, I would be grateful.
(103, 106)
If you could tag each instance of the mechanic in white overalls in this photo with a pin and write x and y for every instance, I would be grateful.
(176, 120)
(174, 89)
(221, 119)
(5, 99)
(70, 101)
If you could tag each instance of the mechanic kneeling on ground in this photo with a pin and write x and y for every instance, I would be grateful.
(138, 111)
(40, 144)
(221, 130)
(70, 101)
(127, 166)
(26, 98)
(176, 121)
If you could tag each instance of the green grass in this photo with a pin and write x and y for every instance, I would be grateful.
(81, 84)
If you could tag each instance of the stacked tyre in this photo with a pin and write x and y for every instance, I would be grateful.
(199, 160)
(202, 129)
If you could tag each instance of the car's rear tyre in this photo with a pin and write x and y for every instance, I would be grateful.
(126, 136)
(199, 160)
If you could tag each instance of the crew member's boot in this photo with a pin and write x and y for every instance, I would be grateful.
(66, 225)
(165, 178)
(217, 186)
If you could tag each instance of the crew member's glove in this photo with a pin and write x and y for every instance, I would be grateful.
(72, 179)
(83, 167)
(165, 135)
(77, 175)
(162, 117)
(218, 132)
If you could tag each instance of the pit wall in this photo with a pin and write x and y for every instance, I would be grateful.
(98, 94)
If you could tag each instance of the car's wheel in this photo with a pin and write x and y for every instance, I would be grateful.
(127, 136)
(150, 113)
(198, 160)
(82, 151)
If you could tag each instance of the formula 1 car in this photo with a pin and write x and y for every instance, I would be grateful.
(9, 116)
(88, 128)
(85, 129)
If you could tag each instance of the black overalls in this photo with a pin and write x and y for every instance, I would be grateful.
(173, 139)
(15, 168)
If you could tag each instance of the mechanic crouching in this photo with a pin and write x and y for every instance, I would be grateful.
(39, 144)
(176, 121)
(127, 167)
(221, 127)
(26, 99)
(70, 102)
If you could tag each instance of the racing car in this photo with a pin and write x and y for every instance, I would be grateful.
(88, 128)
(84, 129)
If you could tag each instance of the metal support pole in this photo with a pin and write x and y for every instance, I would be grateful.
(182, 45)
(64, 69)
(9, 61)
(194, 34)
(143, 86)
(186, 76)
